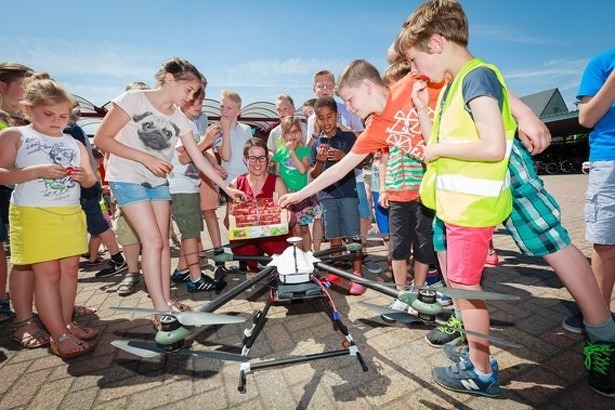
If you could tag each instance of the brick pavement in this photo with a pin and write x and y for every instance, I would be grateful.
(546, 372)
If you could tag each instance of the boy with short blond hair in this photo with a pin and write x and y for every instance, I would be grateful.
(427, 46)
(234, 135)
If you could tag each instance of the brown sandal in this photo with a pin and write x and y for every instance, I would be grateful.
(81, 332)
(30, 340)
(84, 347)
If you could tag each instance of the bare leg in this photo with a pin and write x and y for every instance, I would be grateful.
(400, 273)
(68, 286)
(603, 264)
(48, 296)
(476, 318)
(317, 233)
(574, 271)
(304, 231)
(213, 227)
(108, 239)
(147, 223)
(420, 273)
(131, 254)
(93, 247)
(21, 284)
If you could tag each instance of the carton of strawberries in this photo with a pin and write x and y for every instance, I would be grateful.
(257, 218)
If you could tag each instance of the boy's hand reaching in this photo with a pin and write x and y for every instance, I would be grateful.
(321, 154)
(287, 200)
(534, 134)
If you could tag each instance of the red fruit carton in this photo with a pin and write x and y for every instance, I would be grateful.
(258, 218)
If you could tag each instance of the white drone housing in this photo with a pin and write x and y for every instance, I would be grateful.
(294, 265)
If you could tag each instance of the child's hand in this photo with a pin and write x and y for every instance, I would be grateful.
(157, 166)
(211, 134)
(431, 153)
(420, 95)
(287, 200)
(225, 124)
(50, 171)
(234, 194)
(383, 200)
(291, 145)
(321, 154)
(334, 154)
(78, 174)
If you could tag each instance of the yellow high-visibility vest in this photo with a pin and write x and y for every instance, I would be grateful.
(467, 193)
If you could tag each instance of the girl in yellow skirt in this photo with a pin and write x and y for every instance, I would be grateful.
(47, 225)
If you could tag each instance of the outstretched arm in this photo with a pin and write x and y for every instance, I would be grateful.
(328, 177)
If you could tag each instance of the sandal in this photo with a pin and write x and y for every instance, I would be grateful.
(81, 311)
(80, 332)
(5, 310)
(96, 262)
(66, 340)
(30, 339)
(176, 306)
(128, 284)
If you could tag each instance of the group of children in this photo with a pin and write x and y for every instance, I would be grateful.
(454, 113)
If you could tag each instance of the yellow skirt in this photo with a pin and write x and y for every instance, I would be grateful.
(40, 234)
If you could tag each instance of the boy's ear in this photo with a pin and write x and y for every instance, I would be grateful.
(2, 86)
(435, 44)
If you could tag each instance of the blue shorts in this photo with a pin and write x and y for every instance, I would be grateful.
(127, 193)
(340, 217)
(381, 214)
(94, 217)
(363, 204)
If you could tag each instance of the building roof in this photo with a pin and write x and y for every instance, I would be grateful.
(546, 103)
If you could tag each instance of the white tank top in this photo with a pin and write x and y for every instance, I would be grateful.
(38, 149)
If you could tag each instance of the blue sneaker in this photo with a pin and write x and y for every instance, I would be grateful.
(434, 279)
(204, 283)
(459, 352)
(462, 378)
(180, 277)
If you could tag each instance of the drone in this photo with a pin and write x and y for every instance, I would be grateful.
(292, 277)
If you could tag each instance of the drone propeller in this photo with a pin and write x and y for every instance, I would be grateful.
(188, 318)
(394, 314)
(147, 349)
(460, 293)
(408, 318)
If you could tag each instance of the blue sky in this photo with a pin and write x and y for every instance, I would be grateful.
(263, 48)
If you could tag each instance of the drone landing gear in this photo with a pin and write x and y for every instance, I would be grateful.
(295, 292)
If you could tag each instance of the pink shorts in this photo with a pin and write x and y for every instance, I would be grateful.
(467, 249)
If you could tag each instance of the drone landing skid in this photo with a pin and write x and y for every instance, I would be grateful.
(295, 292)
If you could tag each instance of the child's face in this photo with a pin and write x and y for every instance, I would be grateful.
(307, 110)
(183, 91)
(357, 100)
(229, 109)
(193, 108)
(427, 64)
(294, 134)
(50, 119)
(11, 95)
(324, 86)
(284, 109)
(327, 120)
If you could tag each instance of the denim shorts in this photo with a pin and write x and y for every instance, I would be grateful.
(364, 211)
(340, 217)
(127, 193)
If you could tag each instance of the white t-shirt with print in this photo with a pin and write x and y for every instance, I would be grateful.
(147, 130)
